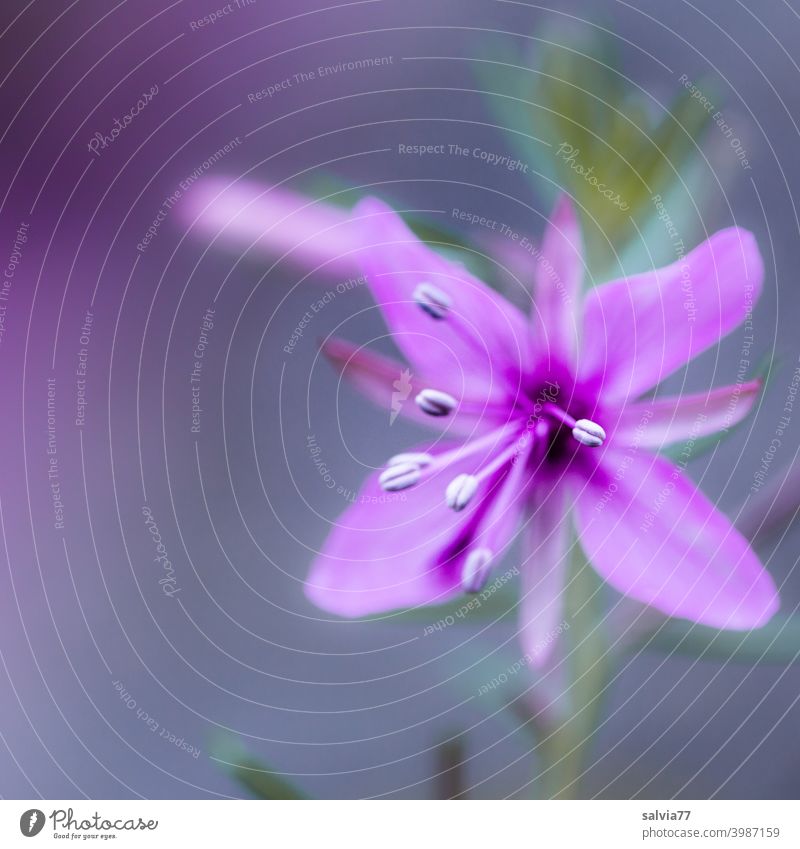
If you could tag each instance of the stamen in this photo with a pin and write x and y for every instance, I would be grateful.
(585, 431)
(589, 433)
(432, 300)
(476, 570)
(407, 469)
(436, 403)
(460, 491)
(439, 305)
(399, 476)
(489, 541)
(418, 458)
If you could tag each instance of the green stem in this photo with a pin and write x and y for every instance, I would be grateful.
(450, 767)
(565, 744)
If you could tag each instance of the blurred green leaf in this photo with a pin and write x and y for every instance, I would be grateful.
(450, 242)
(337, 192)
(433, 231)
(450, 768)
(263, 783)
(251, 773)
(574, 98)
(322, 184)
(778, 642)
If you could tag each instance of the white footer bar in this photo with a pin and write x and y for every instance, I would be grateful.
(402, 824)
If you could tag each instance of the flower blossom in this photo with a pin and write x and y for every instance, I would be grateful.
(275, 221)
(549, 430)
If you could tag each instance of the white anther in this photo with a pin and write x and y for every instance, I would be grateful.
(476, 570)
(433, 300)
(399, 476)
(460, 491)
(588, 433)
(418, 458)
(436, 403)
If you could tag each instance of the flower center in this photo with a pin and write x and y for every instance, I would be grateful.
(532, 430)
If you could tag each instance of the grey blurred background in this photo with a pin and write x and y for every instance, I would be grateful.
(345, 709)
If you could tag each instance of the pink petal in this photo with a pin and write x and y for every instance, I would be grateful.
(558, 273)
(655, 537)
(639, 330)
(403, 549)
(657, 423)
(547, 537)
(480, 348)
(271, 220)
(390, 384)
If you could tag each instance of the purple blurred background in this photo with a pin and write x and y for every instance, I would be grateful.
(232, 645)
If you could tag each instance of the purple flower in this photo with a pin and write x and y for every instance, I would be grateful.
(312, 235)
(543, 427)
